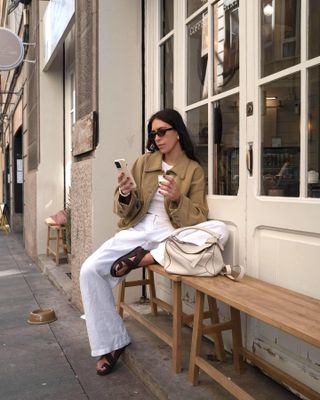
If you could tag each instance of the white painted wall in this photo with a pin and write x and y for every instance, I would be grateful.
(120, 105)
(120, 110)
(50, 170)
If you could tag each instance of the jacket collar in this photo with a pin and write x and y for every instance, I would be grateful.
(155, 160)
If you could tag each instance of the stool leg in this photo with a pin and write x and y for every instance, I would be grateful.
(121, 294)
(217, 336)
(57, 245)
(177, 322)
(236, 339)
(152, 290)
(63, 241)
(196, 338)
(48, 241)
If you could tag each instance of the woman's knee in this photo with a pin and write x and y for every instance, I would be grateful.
(219, 227)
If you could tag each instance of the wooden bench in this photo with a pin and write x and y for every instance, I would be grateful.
(178, 317)
(283, 309)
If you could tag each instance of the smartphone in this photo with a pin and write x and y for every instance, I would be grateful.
(121, 166)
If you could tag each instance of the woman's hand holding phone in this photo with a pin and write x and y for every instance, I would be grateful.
(125, 179)
(125, 183)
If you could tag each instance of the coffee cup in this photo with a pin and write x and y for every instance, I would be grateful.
(161, 179)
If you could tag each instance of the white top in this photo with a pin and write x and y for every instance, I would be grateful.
(157, 203)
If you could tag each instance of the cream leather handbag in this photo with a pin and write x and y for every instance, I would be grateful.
(186, 258)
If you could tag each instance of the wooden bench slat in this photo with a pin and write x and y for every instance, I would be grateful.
(161, 271)
(263, 301)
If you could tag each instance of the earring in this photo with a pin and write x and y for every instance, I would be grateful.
(178, 137)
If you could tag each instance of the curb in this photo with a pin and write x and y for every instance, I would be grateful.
(57, 274)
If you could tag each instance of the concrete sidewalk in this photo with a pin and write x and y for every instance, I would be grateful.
(50, 361)
(53, 361)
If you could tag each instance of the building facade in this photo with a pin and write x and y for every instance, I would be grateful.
(246, 77)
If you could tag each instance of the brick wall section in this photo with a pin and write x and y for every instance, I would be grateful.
(86, 62)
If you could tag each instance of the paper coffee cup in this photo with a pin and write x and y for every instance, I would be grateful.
(161, 178)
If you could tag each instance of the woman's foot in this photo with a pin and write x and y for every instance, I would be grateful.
(106, 362)
(138, 257)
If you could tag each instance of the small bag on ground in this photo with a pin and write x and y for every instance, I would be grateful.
(186, 258)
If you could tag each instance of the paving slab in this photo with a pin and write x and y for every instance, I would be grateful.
(50, 361)
(53, 361)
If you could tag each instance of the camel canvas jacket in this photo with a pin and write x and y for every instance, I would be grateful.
(192, 208)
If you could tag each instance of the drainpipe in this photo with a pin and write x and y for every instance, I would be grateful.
(143, 115)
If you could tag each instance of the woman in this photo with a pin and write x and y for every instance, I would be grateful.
(148, 214)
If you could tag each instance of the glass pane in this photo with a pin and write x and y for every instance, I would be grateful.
(193, 5)
(280, 141)
(166, 84)
(314, 29)
(197, 63)
(166, 17)
(197, 122)
(226, 145)
(226, 46)
(314, 133)
(280, 35)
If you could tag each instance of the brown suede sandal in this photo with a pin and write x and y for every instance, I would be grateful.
(123, 265)
(107, 367)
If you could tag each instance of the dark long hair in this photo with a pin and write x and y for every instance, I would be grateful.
(174, 119)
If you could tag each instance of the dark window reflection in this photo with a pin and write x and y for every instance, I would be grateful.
(280, 142)
(314, 29)
(314, 132)
(226, 145)
(193, 5)
(280, 34)
(166, 83)
(197, 122)
(166, 17)
(226, 46)
(197, 62)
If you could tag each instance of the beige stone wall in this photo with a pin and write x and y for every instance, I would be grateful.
(86, 101)
(30, 138)
(81, 228)
(30, 214)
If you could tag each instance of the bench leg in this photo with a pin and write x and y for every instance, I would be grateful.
(217, 336)
(236, 339)
(121, 292)
(177, 322)
(152, 289)
(196, 338)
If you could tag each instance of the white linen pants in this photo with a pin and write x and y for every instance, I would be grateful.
(105, 327)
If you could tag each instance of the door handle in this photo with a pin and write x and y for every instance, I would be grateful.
(250, 159)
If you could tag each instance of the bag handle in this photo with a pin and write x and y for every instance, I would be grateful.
(195, 228)
(233, 272)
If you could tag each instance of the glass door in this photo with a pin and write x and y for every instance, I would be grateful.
(282, 208)
(214, 98)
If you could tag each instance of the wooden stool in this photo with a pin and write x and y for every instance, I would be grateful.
(3, 220)
(178, 317)
(56, 233)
